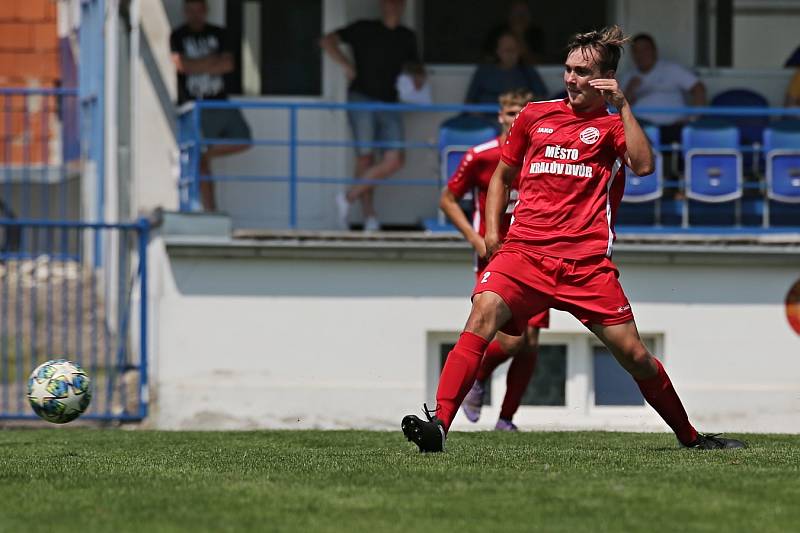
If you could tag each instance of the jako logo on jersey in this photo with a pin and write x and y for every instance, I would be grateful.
(544, 130)
(624, 308)
(590, 135)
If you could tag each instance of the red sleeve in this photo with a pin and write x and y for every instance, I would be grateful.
(464, 178)
(619, 140)
(518, 139)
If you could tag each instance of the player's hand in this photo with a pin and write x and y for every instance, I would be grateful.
(480, 246)
(610, 90)
(350, 72)
(493, 244)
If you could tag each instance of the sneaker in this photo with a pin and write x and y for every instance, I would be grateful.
(342, 210)
(715, 442)
(428, 435)
(372, 224)
(473, 401)
(505, 425)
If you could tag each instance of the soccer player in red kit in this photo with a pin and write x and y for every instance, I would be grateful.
(557, 253)
(474, 174)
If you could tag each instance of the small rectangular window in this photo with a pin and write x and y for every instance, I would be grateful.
(612, 384)
(548, 386)
(279, 52)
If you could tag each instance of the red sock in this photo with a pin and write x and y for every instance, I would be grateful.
(458, 375)
(494, 357)
(519, 375)
(661, 395)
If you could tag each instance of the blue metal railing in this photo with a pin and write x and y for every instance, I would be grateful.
(55, 303)
(192, 142)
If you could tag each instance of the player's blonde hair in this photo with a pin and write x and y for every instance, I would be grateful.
(518, 97)
(607, 42)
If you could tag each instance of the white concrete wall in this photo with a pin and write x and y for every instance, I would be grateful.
(670, 22)
(300, 343)
(764, 32)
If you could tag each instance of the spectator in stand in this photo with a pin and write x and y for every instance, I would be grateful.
(381, 48)
(202, 54)
(520, 23)
(655, 82)
(507, 72)
(793, 89)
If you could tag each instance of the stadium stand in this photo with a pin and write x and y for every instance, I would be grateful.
(643, 194)
(456, 136)
(713, 166)
(782, 154)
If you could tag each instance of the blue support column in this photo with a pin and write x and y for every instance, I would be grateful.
(91, 92)
(144, 396)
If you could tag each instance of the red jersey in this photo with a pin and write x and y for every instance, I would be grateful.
(474, 174)
(568, 194)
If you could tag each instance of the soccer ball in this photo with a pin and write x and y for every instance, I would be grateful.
(59, 391)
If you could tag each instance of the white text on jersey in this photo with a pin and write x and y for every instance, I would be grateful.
(556, 152)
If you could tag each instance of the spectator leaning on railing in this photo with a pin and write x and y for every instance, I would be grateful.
(202, 56)
(381, 48)
(655, 82)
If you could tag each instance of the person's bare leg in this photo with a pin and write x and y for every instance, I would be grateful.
(391, 162)
(628, 349)
(363, 163)
(207, 187)
(489, 313)
(525, 353)
(220, 150)
(368, 203)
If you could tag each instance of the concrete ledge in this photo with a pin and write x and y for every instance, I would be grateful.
(769, 248)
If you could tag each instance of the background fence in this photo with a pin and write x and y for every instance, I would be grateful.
(673, 204)
(54, 302)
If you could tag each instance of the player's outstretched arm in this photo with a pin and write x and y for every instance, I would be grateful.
(640, 155)
(496, 203)
(449, 205)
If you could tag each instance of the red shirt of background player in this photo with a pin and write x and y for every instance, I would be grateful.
(570, 184)
(473, 174)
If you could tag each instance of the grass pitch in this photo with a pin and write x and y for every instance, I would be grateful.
(82, 480)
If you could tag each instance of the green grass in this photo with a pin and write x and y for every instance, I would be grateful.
(81, 480)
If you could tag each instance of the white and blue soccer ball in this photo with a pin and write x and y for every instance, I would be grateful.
(59, 391)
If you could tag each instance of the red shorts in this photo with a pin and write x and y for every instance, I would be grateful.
(531, 283)
(538, 320)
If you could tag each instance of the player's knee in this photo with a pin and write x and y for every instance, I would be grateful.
(639, 356)
(483, 316)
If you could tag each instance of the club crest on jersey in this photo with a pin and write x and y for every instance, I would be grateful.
(590, 135)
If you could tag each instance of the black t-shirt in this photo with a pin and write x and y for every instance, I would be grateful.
(379, 53)
(195, 45)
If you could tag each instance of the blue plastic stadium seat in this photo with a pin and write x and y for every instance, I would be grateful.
(456, 136)
(642, 201)
(782, 152)
(713, 175)
(751, 127)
